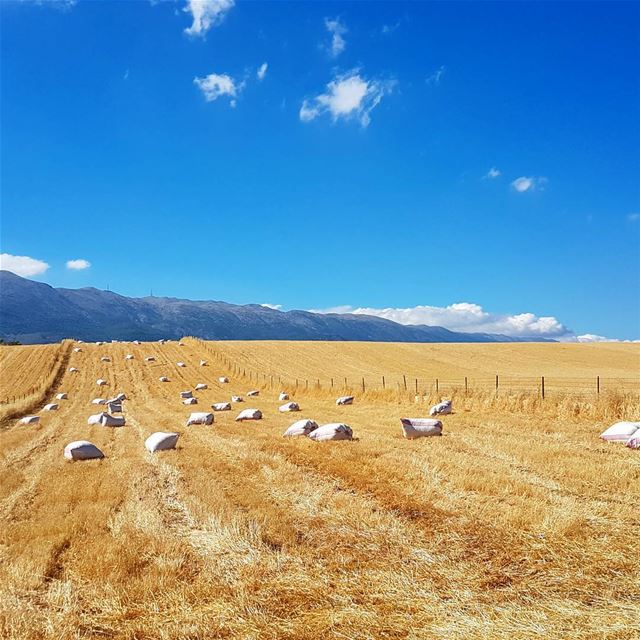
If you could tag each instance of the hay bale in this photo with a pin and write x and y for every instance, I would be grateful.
(634, 441)
(106, 420)
(420, 427)
(253, 394)
(77, 350)
(149, 359)
(128, 357)
(200, 418)
(82, 450)
(249, 414)
(289, 406)
(223, 380)
(29, 420)
(181, 364)
(344, 400)
(62, 396)
(221, 406)
(161, 441)
(201, 386)
(163, 379)
(203, 363)
(100, 382)
(283, 396)
(300, 428)
(50, 407)
(620, 431)
(443, 408)
(114, 407)
(73, 370)
(105, 359)
(98, 401)
(237, 399)
(189, 401)
(333, 431)
(186, 394)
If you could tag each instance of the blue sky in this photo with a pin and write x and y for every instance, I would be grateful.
(469, 164)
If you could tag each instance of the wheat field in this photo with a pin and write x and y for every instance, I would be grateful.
(517, 523)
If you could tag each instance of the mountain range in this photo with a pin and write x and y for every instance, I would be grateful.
(34, 312)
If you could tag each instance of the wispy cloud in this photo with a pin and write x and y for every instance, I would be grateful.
(493, 173)
(216, 85)
(78, 265)
(633, 217)
(388, 29)
(262, 71)
(61, 5)
(337, 29)
(524, 184)
(275, 307)
(348, 96)
(206, 14)
(436, 76)
(22, 265)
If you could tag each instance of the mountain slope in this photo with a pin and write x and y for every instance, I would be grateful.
(36, 312)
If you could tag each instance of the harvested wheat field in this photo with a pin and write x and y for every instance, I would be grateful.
(519, 522)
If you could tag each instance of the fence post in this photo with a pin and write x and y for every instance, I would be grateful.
(437, 385)
(345, 383)
(383, 384)
(363, 387)
(332, 383)
(306, 383)
(466, 385)
(496, 382)
(598, 385)
(542, 387)
(416, 386)
(318, 383)
(296, 383)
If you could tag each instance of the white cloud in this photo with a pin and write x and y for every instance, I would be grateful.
(468, 317)
(78, 265)
(337, 29)
(275, 307)
(262, 71)
(22, 265)
(206, 14)
(524, 183)
(388, 29)
(63, 5)
(493, 173)
(633, 217)
(348, 96)
(436, 76)
(215, 85)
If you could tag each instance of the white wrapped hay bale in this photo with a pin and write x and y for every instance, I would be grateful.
(163, 379)
(73, 370)
(29, 420)
(344, 400)
(189, 401)
(333, 431)
(161, 441)
(100, 382)
(136, 342)
(203, 363)
(223, 380)
(300, 428)
(62, 396)
(98, 401)
(186, 394)
(121, 396)
(114, 407)
(128, 357)
(443, 408)
(237, 399)
(620, 431)
(201, 386)
(420, 427)
(283, 396)
(106, 420)
(77, 350)
(105, 359)
(289, 406)
(221, 406)
(253, 394)
(82, 450)
(200, 418)
(181, 364)
(52, 406)
(249, 414)
(149, 359)
(181, 344)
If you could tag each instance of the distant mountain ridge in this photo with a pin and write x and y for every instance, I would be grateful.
(34, 312)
